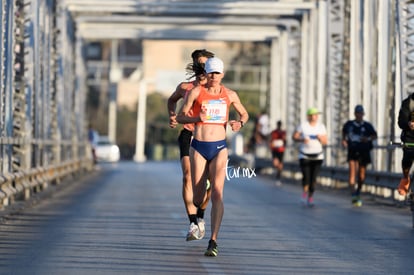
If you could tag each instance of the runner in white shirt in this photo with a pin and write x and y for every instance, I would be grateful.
(312, 136)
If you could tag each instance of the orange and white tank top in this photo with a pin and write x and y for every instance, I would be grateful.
(215, 105)
(191, 85)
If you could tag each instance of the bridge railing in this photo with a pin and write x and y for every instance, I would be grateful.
(43, 95)
(23, 184)
(379, 183)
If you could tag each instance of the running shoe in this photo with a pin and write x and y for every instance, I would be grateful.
(208, 185)
(403, 186)
(212, 249)
(201, 228)
(356, 200)
(311, 203)
(303, 198)
(193, 232)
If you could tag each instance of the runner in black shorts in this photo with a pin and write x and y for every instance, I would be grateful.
(195, 69)
(406, 124)
(357, 137)
(362, 157)
(278, 155)
(184, 140)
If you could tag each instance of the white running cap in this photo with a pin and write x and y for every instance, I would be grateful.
(214, 65)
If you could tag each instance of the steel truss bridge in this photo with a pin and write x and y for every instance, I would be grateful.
(331, 54)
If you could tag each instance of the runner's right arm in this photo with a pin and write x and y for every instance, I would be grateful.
(172, 104)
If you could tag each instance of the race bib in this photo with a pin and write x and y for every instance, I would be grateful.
(216, 111)
(312, 147)
(277, 143)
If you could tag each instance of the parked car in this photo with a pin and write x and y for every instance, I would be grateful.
(106, 150)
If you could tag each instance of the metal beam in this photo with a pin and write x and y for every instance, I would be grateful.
(179, 20)
(179, 35)
(117, 31)
(270, 8)
(198, 28)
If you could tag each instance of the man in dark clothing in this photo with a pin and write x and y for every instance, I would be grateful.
(406, 123)
(357, 137)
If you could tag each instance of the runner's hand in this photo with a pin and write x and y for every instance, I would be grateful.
(203, 114)
(173, 121)
(235, 125)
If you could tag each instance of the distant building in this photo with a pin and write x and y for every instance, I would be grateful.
(161, 62)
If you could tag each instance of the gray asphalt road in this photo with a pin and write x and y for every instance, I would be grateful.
(129, 218)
